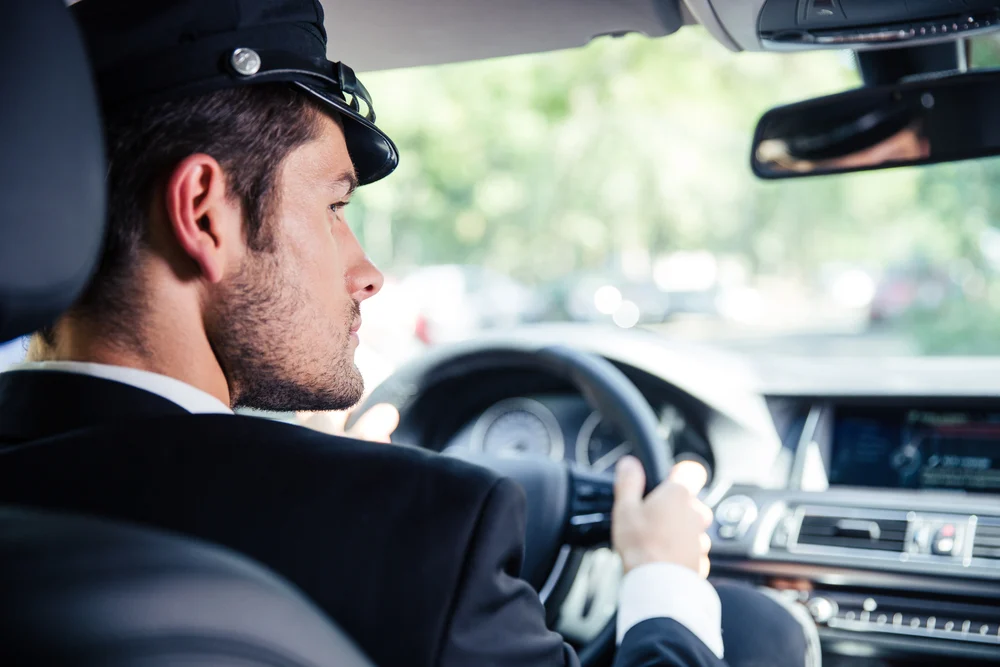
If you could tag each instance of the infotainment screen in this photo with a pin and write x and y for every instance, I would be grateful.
(916, 449)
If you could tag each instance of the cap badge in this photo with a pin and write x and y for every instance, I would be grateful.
(245, 61)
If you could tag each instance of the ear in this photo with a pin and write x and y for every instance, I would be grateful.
(205, 221)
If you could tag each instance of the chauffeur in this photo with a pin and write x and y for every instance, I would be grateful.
(230, 278)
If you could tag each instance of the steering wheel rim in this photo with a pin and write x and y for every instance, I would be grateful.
(627, 409)
(616, 398)
(574, 506)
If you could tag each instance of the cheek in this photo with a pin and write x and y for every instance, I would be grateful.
(318, 255)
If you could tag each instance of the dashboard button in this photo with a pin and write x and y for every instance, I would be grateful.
(734, 509)
(735, 515)
(945, 540)
(944, 546)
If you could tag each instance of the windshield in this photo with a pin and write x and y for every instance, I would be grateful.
(610, 184)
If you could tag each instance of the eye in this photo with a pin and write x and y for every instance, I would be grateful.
(338, 208)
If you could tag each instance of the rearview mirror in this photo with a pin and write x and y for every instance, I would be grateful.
(923, 121)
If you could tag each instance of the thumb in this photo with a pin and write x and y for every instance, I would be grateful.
(376, 424)
(630, 480)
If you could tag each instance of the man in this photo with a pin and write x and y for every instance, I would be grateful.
(230, 278)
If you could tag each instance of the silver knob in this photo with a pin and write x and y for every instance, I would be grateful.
(822, 609)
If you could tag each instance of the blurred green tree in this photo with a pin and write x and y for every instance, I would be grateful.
(543, 165)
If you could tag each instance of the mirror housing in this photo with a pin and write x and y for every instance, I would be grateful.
(925, 120)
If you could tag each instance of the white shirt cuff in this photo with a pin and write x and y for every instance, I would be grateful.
(666, 590)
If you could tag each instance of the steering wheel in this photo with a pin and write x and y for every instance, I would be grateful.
(569, 507)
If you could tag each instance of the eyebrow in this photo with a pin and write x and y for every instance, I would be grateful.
(348, 178)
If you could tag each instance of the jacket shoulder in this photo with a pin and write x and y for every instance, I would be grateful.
(364, 457)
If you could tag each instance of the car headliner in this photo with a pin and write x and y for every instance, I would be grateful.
(388, 34)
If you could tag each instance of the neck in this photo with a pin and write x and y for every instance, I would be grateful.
(157, 342)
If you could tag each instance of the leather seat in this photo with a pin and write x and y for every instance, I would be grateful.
(85, 591)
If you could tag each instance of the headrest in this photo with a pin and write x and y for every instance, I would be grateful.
(51, 166)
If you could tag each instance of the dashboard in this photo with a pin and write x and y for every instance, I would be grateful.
(887, 529)
(868, 491)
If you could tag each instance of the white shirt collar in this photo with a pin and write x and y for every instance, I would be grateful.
(190, 398)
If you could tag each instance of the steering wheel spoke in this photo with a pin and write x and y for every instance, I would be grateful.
(591, 499)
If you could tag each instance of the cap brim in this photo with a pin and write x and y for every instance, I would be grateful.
(372, 151)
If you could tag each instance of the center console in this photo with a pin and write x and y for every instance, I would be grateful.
(889, 532)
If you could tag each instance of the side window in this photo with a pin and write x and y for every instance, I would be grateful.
(13, 352)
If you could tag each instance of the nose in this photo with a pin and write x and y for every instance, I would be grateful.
(367, 280)
(364, 280)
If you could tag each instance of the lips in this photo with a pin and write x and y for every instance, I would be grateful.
(356, 326)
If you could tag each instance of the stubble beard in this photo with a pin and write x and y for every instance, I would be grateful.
(274, 352)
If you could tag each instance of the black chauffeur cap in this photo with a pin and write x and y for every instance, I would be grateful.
(150, 51)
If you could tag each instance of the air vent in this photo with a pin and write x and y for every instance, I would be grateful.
(987, 542)
(853, 532)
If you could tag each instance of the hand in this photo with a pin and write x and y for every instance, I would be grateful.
(669, 525)
(376, 424)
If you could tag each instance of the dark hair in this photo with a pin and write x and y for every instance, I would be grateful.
(248, 130)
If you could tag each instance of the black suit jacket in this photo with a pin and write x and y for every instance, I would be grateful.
(416, 555)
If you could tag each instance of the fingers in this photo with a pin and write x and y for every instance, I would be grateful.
(704, 564)
(704, 513)
(689, 474)
(630, 481)
(327, 422)
(376, 424)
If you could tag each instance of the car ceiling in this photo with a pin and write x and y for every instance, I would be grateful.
(386, 34)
